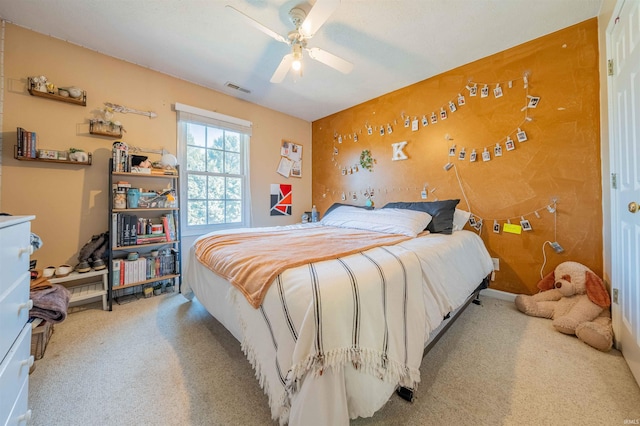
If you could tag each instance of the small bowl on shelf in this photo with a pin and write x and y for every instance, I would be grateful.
(63, 92)
(74, 92)
(132, 256)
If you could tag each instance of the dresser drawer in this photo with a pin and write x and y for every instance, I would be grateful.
(14, 311)
(20, 414)
(14, 372)
(15, 247)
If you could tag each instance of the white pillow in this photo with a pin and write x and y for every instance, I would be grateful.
(460, 218)
(389, 221)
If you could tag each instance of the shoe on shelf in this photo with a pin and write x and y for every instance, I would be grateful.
(99, 264)
(83, 267)
(63, 270)
(49, 271)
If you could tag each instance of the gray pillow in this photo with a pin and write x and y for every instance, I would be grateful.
(441, 211)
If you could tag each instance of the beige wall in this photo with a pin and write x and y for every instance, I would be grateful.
(71, 202)
(561, 157)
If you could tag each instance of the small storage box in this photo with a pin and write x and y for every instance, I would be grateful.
(40, 339)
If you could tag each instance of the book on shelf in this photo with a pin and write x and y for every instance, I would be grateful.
(164, 171)
(133, 231)
(20, 147)
(169, 224)
(127, 272)
(114, 230)
(125, 229)
(115, 275)
(33, 139)
(129, 230)
(169, 227)
(154, 238)
(26, 143)
(121, 158)
(121, 185)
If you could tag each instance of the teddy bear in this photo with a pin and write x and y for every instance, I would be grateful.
(575, 298)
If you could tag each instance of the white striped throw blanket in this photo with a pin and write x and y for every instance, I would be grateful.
(364, 309)
(251, 260)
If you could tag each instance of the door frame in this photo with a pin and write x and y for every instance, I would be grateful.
(612, 225)
(611, 210)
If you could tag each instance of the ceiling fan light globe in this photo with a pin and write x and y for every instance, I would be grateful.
(296, 65)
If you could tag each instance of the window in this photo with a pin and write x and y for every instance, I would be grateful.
(214, 157)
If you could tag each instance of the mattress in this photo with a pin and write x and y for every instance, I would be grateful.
(449, 268)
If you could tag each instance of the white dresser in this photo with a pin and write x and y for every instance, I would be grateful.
(15, 331)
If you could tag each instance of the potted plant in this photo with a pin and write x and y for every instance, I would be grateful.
(77, 154)
(169, 287)
(157, 289)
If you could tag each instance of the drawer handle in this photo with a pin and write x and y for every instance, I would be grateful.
(28, 250)
(27, 305)
(25, 417)
(28, 362)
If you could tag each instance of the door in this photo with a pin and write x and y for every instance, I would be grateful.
(624, 89)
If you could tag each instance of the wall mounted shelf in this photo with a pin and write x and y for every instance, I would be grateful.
(51, 160)
(103, 129)
(111, 135)
(82, 100)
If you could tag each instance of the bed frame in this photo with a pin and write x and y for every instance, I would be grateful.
(408, 393)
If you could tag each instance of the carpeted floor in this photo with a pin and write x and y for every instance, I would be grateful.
(166, 361)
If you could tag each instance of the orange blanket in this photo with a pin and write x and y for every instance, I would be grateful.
(252, 260)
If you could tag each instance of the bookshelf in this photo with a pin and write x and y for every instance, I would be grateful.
(145, 247)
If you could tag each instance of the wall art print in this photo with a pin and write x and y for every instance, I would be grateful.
(280, 199)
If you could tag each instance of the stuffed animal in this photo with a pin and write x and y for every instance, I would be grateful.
(575, 298)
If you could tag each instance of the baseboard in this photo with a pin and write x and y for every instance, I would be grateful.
(497, 294)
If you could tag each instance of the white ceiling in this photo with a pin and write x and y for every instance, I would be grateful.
(392, 43)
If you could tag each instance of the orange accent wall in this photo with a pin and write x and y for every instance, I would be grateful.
(561, 157)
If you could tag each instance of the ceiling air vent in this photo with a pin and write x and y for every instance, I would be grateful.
(236, 87)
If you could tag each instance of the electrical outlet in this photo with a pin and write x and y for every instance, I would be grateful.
(615, 296)
(423, 194)
(496, 263)
(557, 247)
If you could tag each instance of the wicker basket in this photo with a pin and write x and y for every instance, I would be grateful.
(40, 339)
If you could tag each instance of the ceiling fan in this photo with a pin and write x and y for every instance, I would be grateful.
(306, 25)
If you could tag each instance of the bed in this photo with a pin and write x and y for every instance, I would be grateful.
(332, 338)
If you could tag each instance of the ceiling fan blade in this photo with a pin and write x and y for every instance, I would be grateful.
(282, 70)
(331, 60)
(249, 20)
(317, 16)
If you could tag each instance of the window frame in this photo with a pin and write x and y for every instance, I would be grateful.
(188, 114)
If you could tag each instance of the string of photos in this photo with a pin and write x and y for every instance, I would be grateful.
(369, 193)
(421, 121)
(522, 223)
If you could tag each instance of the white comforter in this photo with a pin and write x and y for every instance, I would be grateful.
(295, 341)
